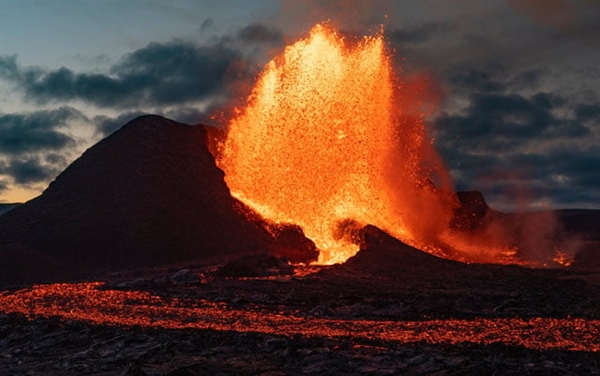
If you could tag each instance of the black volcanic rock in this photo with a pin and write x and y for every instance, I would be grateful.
(383, 255)
(291, 244)
(472, 211)
(149, 194)
(258, 265)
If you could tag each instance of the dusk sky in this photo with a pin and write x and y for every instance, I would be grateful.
(517, 82)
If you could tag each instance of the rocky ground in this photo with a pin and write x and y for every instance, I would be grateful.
(51, 346)
(257, 315)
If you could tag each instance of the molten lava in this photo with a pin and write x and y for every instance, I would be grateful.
(324, 142)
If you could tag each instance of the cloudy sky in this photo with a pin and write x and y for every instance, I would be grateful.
(516, 83)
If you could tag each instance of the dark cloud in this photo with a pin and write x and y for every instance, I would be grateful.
(29, 170)
(548, 100)
(506, 144)
(416, 35)
(9, 68)
(587, 112)
(580, 166)
(490, 78)
(207, 25)
(56, 159)
(494, 117)
(106, 125)
(190, 115)
(478, 80)
(567, 129)
(259, 33)
(32, 146)
(493, 130)
(158, 74)
(564, 176)
(496, 133)
(176, 72)
(502, 122)
(36, 131)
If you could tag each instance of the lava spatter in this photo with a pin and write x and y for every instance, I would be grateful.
(325, 139)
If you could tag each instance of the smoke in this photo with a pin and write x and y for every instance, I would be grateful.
(363, 15)
(530, 234)
(577, 19)
(558, 14)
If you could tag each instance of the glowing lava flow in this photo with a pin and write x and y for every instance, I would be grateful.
(324, 140)
(86, 302)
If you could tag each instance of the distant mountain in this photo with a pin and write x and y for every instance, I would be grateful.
(149, 194)
(4, 208)
(584, 222)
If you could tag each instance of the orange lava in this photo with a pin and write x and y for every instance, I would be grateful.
(85, 302)
(329, 136)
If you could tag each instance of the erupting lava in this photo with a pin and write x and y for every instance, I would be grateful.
(326, 142)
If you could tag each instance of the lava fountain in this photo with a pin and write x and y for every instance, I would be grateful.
(330, 141)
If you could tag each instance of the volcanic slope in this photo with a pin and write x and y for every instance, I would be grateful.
(383, 255)
(148, 194)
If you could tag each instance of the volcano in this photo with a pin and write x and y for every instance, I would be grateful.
(149, 194)
(215, 276)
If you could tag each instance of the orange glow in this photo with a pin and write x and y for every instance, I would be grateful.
(85, 302)
(330, 135)
(563, 258)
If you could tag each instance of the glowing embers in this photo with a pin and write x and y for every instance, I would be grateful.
(321, 141)
(87, 302)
